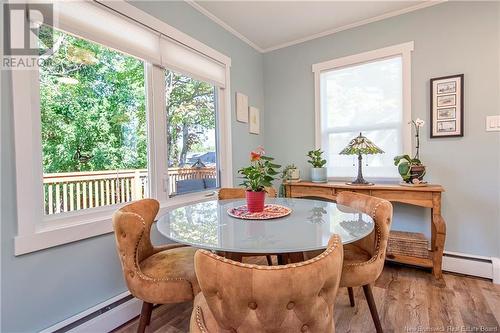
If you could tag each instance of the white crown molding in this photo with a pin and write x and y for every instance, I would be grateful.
(223, 24)
(314, 36)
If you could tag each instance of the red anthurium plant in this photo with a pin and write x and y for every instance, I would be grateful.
(261, 172)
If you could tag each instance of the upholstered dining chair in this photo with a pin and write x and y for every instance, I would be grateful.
(247, 298)
(155, 275)
(226, 193)
(364, 259)
(239, 193)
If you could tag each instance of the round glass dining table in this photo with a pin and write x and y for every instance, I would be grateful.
(308, 227)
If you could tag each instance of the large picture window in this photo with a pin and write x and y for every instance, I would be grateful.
(93, 126)
(116, 111)
(364, 94)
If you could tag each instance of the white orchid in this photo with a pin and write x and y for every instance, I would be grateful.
(419, 122)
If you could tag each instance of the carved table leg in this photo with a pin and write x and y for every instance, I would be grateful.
(438, 230)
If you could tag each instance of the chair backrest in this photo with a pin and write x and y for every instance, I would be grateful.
(132, 226)
(189, 185)
(289, 298)
(239, 193)
(381, 212)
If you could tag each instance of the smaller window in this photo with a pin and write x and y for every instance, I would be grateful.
(193, 163)
(363, 93)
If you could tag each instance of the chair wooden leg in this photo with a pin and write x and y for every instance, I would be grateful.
(373, 308)
(351, 296)
(145, 319)
(269, 260)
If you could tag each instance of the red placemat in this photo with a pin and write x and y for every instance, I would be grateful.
(271, 211)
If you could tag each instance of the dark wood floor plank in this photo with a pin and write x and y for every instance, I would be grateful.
(406, 298)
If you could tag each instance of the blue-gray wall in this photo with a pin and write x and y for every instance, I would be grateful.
(45, 287)
(450, 38)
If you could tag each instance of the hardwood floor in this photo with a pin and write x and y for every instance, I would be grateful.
(408, 300)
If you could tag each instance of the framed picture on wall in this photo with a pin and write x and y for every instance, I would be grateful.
(447, 106)
(254, 126)
(241, 107)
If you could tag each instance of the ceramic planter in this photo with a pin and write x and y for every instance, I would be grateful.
(294, 174)
(318, 175)
(255, 201)
(417, 173)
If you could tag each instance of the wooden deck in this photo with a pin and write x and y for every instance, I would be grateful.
(408, 299)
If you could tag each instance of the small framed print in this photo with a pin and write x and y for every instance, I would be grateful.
(446, 113)
(241, 107)
(254, 125)
(447, 106)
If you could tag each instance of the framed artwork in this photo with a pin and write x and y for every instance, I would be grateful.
(447, 106)
(241, 107)
(254, 126)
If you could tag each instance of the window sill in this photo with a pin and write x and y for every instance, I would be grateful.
(75, 226)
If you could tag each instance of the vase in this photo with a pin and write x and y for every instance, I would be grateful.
(255, 201)
(318, 175)
(294, 174)
(417, 173)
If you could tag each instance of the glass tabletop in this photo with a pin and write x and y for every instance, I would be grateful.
(310, 225)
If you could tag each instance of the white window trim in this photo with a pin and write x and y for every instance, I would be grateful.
(34, 230)
(404, 50)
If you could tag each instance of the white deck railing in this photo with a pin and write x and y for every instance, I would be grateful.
(65, 192)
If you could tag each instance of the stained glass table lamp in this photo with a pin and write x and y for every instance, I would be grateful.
(361, 145)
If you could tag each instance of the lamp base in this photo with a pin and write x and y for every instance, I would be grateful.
(360, 184)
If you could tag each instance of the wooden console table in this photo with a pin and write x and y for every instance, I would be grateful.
(426, 196)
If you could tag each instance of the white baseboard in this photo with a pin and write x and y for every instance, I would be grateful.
(485, 267)
(111, 319)
(105, 322)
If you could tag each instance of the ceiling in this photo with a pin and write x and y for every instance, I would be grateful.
(270, 25)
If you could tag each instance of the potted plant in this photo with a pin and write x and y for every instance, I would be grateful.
(411, 169)
(259, 175)
(318, 170)
(290, 173)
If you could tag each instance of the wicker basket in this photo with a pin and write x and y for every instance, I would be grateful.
(410, 244)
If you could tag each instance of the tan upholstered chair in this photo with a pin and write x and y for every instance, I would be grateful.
(156, 275)
(248, 298)
(226, 193)
(239, 193)
(364, 259)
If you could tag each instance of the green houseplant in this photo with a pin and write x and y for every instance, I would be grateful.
(411, 169)
(259, 175)
(318, 170)
(289, 173)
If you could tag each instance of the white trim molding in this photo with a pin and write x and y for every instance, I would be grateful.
(239, 35)
(224, 25)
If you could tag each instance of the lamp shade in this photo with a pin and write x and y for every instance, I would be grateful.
(361, 145)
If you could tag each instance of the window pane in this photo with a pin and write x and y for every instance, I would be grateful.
(94, 133)
(192, 134)
(364, 98)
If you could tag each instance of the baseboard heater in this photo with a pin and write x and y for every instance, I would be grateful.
(93, 315)
(468, 265)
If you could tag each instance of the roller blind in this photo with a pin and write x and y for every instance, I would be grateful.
(93, 21)
(367, 98)
(180, 58)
